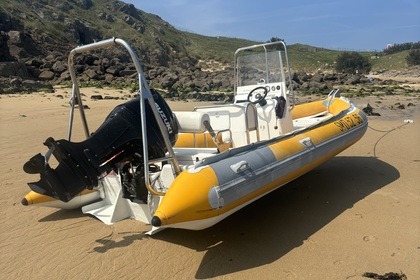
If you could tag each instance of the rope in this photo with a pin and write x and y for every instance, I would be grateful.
(386, 133)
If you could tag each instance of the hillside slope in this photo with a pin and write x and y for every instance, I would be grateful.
(36, 36)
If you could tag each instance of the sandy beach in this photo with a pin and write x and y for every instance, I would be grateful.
(357, 213)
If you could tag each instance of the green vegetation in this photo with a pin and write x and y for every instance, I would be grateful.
(383, 62)
(402, 47)
(352, 62)
(55, 22)
(413, 57)
(311, 59)
(217, 48)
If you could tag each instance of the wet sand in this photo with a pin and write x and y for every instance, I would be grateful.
(357, 213)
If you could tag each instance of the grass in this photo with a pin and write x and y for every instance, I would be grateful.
(160, 35)
(394, 61)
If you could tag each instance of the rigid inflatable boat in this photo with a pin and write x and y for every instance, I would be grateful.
(192, 169)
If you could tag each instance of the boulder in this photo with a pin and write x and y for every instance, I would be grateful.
(113, 70)
(4, 48)
(21, 44)
(129, 20)
(129, 9)
(352, 80)
(96, 97)
(59, 67)
(32, 85)
(169, 79)
(303, 77)
(92, 74)
(34, 62)
(368, 110)
(14, 68)
(17, 84)
(84, 4)
(317, 78)
(46, 75)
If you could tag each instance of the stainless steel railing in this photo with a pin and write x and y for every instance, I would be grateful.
(144, 95)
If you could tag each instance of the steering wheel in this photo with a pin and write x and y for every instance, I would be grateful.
(258, 96)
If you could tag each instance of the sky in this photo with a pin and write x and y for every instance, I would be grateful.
(349, 25)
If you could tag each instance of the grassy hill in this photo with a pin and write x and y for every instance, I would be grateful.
(62, 25)
(34, 30)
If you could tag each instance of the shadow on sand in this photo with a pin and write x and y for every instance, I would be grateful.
(62, 214)
(269, 228)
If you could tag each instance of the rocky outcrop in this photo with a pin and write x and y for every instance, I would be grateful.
(14, 68)
(130, 10)
(21, 45)
(39, 51)
(4, 48)
(84, 4)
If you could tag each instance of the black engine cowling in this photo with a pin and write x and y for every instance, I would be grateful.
(117, 140)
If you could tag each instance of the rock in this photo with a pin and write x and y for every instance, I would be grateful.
(31, 86)
(169, 79)
(105, 16)
(129, 9)
(364, 80)
(317, 85)
(111, 97)
(89, 59)
(4, 48)
(330, 77)
(59, 67)
(386, 276)
(303, 77)
(84, 4)
(47, 64)
(92, 74)
(129, 20)
(109, 78)
(14, 68)
(368, 110)
(96, 97)
(65, 76)
(128, 72)
(64, 6)
(21, 44)
(46, 75)
(113, 70)
(317, 78)
(34, 62)
(33, 71)
(16, 82)
(105, 62)
(352, 80)
(295, 77)
(305, 85)
(82, 31)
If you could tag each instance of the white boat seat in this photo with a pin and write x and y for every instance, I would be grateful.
(239, 119)
(192, 122)
(199, 122)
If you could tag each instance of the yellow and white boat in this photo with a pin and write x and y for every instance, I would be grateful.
(191, 170)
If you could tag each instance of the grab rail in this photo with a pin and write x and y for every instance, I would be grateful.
(331, 97)
(144, 95)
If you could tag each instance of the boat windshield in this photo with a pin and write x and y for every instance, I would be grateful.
(263, 65)
(259, 68)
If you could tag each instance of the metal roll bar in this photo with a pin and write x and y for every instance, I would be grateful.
(144, 95)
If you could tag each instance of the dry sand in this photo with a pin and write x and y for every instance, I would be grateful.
(357, 213)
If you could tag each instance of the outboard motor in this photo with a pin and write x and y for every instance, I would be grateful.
(117, 141)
